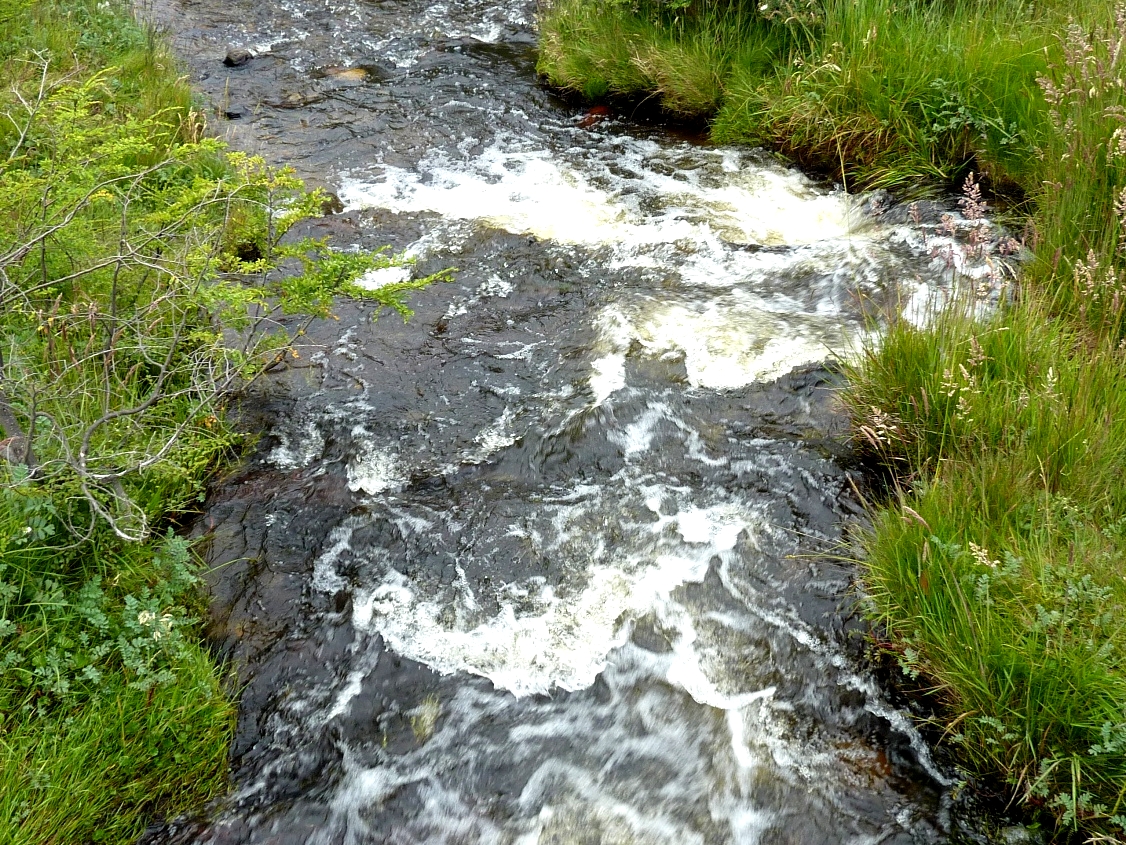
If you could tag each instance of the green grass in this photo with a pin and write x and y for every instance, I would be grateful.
(95, 774)
(997, 568)
(111, 710)
(596, 54)
(997, 571)
(83, 36)
(895, 99)
(889, 93)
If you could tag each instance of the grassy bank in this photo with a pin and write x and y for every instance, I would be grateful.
(998, 567)
(895, 93)
(140, 288)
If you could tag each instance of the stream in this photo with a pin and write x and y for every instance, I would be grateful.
(564, 558)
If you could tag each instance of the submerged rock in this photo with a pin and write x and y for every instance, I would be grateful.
(347, 74)
(237, 57)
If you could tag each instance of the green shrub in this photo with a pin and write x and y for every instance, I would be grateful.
(140, 286)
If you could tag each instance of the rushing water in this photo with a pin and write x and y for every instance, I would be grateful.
(559, 560)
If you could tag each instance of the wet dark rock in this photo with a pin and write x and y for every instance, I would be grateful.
(341, 601)
(648, 634)
(457, 45)
(801, 405)
(331, 204)
(237, 57)
(296, 100)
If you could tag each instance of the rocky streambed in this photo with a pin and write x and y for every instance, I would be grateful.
(561, 559)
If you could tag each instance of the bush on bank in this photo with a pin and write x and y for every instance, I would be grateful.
(141, 286)
(997, 568)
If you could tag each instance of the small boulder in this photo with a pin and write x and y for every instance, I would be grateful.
(331, 204)
(593, 116)
(237, 57)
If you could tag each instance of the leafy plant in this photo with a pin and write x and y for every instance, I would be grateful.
(141, 287)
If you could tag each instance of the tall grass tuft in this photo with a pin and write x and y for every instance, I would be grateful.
(996, 570)
(889, 92)
(599, 51)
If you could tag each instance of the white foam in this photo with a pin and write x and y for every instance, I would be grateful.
(542, 637)
(496, 286)
(585, 807)
(515, 186)
(522, 192)
(686, 737)
(493, 438)
(608, 369)
(718, 526)
(297, 450)
(754, 205)
(636, 437)
(681, 216)
(608, 376)
(376, 470)
(727, 342)
(382, 276)
(563, 645)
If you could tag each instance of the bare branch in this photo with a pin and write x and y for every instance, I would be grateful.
(31, 108)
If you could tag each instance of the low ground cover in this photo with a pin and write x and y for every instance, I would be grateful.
(141, 286)
(997, 567)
